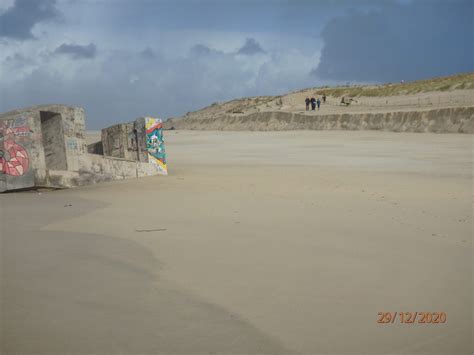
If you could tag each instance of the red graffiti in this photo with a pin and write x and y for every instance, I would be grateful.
(17, 163)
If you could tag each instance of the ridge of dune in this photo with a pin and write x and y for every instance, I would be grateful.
(444, 120)
(441, 105)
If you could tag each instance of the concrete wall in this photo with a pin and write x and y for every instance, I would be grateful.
(140, 140)
(445, 120)
(95, 169)
(38, 139)
(22, 160)
(126, 140)
(140, 127)
(118, 140)
(45, 146)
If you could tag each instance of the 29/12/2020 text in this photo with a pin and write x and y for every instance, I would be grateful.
(411, 317)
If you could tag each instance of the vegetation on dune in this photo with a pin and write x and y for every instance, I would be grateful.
(258, 103)
(455, 82)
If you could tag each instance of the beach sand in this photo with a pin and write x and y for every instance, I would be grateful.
(256, 242)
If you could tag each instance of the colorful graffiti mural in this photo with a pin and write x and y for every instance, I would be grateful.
(155, 144)
(14, 160)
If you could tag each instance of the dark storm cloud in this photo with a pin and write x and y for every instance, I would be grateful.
(399, 41)
(18, 21)
(78, 51)
(250, 47)
(148, 53)
(200, 49)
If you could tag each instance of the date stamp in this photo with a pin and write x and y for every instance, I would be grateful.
(411, 317)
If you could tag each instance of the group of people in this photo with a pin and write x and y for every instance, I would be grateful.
(314, 102)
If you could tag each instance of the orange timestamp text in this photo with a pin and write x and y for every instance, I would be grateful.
(411, 317)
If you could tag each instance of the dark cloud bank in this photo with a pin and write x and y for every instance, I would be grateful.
(78, 51)
(399, 41)
(251, 47)
(18, 21)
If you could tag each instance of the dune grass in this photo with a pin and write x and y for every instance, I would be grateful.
(460, 81)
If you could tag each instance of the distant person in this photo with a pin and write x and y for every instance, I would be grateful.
(318, 102)
(324, 98)
(313, 103)
(307, 103)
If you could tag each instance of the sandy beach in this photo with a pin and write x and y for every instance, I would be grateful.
(256, 243)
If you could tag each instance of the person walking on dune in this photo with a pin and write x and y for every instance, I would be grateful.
(318, 102)
(307, 103)
(313, 103)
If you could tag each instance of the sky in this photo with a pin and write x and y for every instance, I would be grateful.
(121, 59)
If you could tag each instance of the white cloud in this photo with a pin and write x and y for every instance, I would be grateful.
(5, 4)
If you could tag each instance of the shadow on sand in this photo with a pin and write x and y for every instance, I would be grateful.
(78, 293)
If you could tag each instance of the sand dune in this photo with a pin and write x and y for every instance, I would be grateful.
(444, 120)
(435, 105)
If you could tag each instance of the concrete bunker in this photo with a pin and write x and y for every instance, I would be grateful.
(44, 146)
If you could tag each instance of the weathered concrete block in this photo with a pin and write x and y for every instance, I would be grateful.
(44, 146)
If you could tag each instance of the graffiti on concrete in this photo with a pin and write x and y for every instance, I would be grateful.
(19, 126)
(155, 144)
(72, 144)
(14, 158)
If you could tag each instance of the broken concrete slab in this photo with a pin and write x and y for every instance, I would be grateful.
(44, 146)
